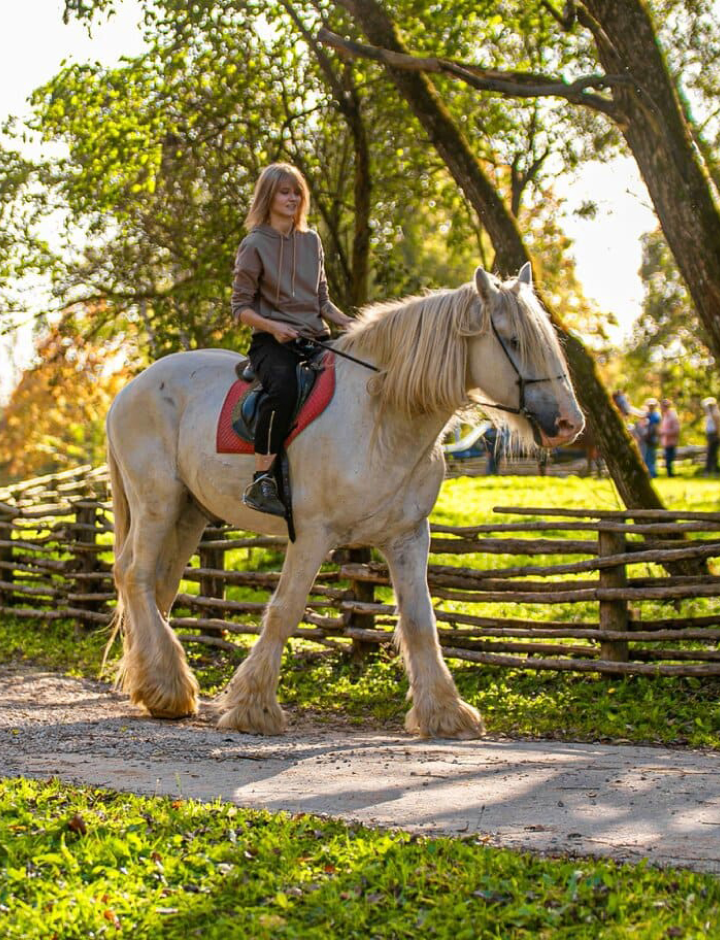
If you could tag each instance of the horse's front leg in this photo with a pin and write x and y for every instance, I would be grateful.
(249, 702)
(437, 710)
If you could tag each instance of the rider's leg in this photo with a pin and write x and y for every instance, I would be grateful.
(275, 365)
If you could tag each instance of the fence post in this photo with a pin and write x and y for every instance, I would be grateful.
(360, 591)
(6, 555)
(613, 614)
(86, 519)
(212, 557)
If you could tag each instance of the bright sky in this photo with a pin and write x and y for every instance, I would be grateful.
(34, 42)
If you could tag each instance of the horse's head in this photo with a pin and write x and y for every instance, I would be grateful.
(516, 362)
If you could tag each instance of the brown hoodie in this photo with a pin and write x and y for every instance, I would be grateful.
(282, 277)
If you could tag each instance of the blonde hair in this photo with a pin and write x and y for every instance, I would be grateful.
(266, 187)
(420, 345)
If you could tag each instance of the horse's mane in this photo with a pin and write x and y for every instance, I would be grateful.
(420, 345)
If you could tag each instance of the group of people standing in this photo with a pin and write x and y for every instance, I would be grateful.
(658, 425)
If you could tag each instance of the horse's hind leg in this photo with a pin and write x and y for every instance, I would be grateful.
(437, 710)
(249, 703)
(176, 552)
(153, 670)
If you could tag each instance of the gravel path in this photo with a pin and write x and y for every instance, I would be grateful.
(580, 799)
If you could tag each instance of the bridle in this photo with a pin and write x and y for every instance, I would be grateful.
(521, 383)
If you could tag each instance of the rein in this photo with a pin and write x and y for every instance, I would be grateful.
(317, 342)
(521, 381)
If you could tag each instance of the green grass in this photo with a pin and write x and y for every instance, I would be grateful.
(80, 862)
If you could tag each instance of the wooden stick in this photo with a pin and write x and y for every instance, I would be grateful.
(194, 600)
(513, 546)
(580, 665)
(16, 587)
(663, 514)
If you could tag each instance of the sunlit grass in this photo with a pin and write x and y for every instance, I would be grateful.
(82, 862)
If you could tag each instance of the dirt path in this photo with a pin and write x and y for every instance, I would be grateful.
(581, 799)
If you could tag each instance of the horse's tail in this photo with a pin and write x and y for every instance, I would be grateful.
(121, 524)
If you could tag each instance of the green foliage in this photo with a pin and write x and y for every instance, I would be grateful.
(78, 862)
(161, 153)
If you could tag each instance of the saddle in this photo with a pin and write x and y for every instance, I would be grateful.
(238, 416)
(246, 411)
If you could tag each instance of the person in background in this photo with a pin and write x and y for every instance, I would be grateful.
(623, 405)
(669, 434)
(650, 436)
(712, 435)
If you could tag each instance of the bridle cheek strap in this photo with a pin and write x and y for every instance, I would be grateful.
(521, 382)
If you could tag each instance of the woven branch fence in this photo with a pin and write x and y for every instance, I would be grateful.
(56, 561)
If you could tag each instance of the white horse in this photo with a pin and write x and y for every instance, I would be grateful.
(366, 472)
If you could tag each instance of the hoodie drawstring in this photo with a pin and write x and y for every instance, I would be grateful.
(280, 267)
(279, 273)
(293, 265)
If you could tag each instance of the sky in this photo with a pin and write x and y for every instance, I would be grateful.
(34, 42)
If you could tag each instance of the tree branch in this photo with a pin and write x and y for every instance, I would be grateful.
(507, 84)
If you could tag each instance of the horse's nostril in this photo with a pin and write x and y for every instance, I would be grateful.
(564, 426)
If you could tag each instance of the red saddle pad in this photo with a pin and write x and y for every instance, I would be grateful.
(320, 397)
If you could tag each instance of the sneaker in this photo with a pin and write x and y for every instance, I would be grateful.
(262, 496)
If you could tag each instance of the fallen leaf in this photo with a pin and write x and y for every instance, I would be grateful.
(112, 917)
(77, 824)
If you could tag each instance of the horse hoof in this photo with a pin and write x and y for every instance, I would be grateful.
(171, 715)
(461, 722)
(254, 718)
(178, 703)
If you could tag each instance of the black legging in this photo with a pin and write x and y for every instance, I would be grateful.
(275, 365)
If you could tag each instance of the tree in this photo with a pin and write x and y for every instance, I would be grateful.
(150, 140)
(56, 415)
(620, 451)
(637, 93)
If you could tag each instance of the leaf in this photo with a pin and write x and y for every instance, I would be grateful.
(110, 915)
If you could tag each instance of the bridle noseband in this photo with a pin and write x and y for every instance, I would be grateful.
(522, 383)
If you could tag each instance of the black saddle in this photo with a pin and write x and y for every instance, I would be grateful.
(245, 413)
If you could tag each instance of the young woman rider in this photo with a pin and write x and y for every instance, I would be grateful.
(280, 291)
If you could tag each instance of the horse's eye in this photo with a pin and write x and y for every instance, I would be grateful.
(514, 342)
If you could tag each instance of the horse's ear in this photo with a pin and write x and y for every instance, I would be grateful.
(485, 287)
(525, 274)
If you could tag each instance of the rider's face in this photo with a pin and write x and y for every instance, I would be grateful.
(286, 200)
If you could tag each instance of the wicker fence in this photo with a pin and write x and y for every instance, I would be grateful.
(56, 558)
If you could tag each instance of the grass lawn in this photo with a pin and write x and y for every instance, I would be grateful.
(81, 862)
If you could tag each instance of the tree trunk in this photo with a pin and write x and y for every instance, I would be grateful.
(660, 140)
(349, 104)
(618, 448)
(362, 190)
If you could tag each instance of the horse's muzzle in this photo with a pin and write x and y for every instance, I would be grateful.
(565, 432)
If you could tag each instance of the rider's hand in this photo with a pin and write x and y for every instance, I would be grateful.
(283, 332)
